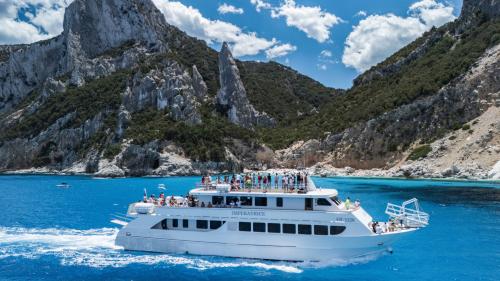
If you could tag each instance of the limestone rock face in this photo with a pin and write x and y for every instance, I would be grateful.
(199, 85)
(105, 24)
(472, 8)
(172, 88)
(56, 147)
(232, 97)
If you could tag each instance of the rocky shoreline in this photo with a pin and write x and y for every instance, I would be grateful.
(404, 172)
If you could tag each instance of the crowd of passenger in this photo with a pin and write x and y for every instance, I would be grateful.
(382, 227)
(162, 200)
(292, 182)
(187, 201)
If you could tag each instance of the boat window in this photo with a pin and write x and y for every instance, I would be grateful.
(185, 223)
(279, 202)
(320, 230)
(215, 224)
(259, 227)
(335, 200)
(245, 226)
(246, 201)
(322, 202)
(230, 199)
(274, 227)
(304, 229)
(175, 223)
(261, 201)
(289, 228)
(336, 229)
(161, 225)
(217, 200)
(203, 224)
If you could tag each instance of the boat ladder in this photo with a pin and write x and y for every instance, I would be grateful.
(408, 213)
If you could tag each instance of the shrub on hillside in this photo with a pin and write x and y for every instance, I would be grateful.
(420, 152)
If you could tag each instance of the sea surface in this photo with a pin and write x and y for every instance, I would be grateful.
(50, 233)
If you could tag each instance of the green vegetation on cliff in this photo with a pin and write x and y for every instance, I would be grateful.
(282, 92)
(202, 142)
(84, 102)
(445, 60)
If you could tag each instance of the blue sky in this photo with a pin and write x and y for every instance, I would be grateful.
(331, 41)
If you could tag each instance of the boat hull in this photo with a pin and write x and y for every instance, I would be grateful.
(271, 247)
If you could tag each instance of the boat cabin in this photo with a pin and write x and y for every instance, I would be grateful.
(222, 197)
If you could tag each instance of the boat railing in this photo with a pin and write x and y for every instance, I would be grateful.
(271, 188)
(410, 217)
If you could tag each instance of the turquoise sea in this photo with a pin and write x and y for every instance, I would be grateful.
(49, 233)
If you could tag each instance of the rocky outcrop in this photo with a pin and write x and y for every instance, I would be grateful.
(472, 9)
(55, 148)
(98, 26)
(232, 98)
(170, 88)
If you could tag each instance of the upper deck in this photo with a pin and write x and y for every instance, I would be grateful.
(217, 189)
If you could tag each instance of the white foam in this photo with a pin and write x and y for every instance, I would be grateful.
(96, 248)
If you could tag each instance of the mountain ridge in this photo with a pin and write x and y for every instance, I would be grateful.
(130, 94)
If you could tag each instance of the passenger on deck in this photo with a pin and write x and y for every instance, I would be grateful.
(347, 203)
(276, 181)
(202, 204)
(248, 183)
(291, 183)
(209, 205)
(357, 204)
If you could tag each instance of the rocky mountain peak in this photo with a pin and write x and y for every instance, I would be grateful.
(232, 97)
(103, 24)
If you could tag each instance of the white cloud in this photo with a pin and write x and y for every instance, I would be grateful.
(322, 66)
(314, 21)
(325, 54)
(378, 36)
(280, 50)
(46, 22)
(191, 21)
(432, 13)
(260, 5)
(325, 58)
(229, 9)
(361, 14)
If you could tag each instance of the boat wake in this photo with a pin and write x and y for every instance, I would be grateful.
(96, 248)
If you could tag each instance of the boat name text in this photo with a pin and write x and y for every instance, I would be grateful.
(249, 213)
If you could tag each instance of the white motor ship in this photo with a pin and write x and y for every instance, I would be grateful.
(296, 222)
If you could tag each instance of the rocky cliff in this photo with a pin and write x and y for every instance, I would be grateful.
(121, 92)
(232, 98)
